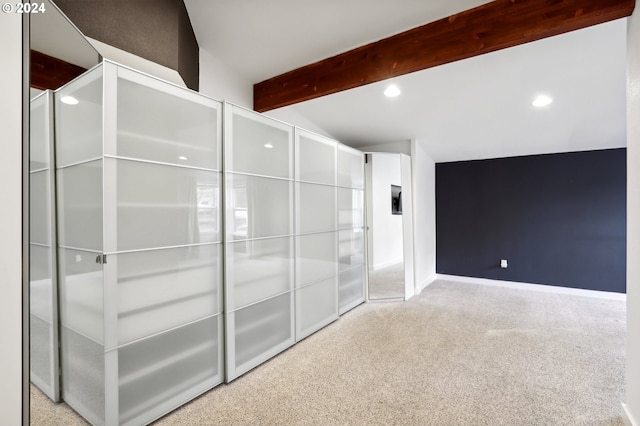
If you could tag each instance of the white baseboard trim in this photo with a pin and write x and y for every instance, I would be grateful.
(426, 283)
(536, 287)
(628, 418)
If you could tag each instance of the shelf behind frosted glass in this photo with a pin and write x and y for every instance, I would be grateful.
(350, 167)
(162, 289)
(316, 158)
(260, 331)
(79, 126)
(350, 208)
(316, 306)
(157, 374)
(81, 292)
(316, 257)
(351, 248)
(258, 145)
(317, 208)
(351, 288)
(258, 207)
(258, 269)
(82, 367)
(79, 197)
(39, 133)
(164, 206)
(162, 126)
(39, 208)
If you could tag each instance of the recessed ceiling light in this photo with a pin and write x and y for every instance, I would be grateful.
(182, 157)
(268, 145)
(542, 101)
(392, 91)
(69, 100)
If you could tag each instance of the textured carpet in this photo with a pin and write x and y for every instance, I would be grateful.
(457, 354)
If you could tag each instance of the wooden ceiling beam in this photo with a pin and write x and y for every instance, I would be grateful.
(48, 72)
(487, 28)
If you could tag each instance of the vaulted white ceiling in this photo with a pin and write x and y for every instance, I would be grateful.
(471, 109)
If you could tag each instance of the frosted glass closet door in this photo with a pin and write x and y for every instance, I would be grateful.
(259, 281)
(163, 242)
(42, 272)
(79, 146)
(350, 167)
(316, 251)
(351, 245)
(140, 244)
(316, 208)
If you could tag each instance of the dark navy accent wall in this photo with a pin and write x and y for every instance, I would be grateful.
(558, 219)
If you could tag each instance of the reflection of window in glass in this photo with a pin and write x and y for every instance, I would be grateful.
(208, 196)
(239, 218)
(357, 211)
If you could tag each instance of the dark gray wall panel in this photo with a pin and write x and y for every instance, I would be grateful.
(559, 219)
(157, 30)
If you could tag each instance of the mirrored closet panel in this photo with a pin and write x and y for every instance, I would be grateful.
(389, 226)
(140, 244)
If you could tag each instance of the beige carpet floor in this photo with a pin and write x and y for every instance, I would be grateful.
(457, 354)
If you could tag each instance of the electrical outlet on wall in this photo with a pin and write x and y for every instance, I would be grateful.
(503, 263)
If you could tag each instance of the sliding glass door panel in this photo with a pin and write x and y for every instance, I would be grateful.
(316, 257)
(79, 118)
(351, 248)
(350, 167)
(350, 208)
(316, 158)
(258, 269)
(162, 289)
(141, 245)
(41, 289)
(351, 288)
(190, 136)
(258, 145)
(316, 306)
(81, 293)
(316, 208)
(83, 374)
(151, 197)
(80, 206)
(158, 374)
(258, 207)
(40, 207)
(260, 331)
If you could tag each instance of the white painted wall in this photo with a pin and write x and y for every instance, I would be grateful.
(293, 117)
(11, 218)
(386, 228)
(407, 226)
(633, 218)
(401, 147)
(424, 213)
(220, 82)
